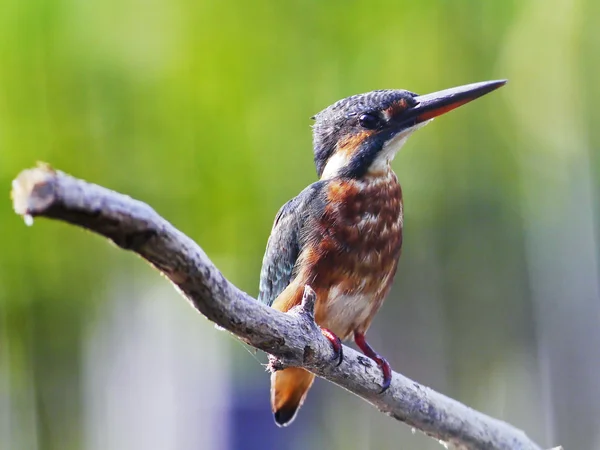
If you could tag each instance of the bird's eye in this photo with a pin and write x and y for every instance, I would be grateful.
(368, 120)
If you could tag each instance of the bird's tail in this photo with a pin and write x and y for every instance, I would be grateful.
(288, 391)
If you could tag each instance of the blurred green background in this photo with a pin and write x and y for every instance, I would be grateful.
(201, 109)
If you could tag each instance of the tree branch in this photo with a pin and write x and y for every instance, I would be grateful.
(293, 338)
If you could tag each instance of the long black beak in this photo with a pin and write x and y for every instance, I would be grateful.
(432, 105)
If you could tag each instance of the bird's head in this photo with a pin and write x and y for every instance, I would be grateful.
(363, 133)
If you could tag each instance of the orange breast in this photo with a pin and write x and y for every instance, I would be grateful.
(354, 253)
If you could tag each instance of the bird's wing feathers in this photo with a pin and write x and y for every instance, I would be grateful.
(285, 243)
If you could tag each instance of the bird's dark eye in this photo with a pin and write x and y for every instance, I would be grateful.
(368, 120)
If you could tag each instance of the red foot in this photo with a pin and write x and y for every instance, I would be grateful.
(359, 338)
(336, 344)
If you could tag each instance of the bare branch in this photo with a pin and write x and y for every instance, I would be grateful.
(293, 339)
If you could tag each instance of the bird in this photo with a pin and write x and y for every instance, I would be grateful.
(342, 235)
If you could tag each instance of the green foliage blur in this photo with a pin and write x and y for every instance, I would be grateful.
(202, 110)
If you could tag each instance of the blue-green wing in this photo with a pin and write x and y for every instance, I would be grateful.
(286, 241)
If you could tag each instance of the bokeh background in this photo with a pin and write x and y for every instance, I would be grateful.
(201, 108)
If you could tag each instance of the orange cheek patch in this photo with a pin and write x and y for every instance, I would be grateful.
(396, 108)
(349, 144)
(441, 110)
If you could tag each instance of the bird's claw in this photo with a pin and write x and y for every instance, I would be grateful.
(359, 338)
(387, 373)
(336, 343)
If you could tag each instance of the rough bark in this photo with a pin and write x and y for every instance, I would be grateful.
(293, 339)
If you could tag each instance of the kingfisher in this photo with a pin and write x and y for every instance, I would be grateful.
(342, 235)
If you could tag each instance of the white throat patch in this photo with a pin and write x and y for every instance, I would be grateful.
(392, 147)
(339, 160)
(334, 164)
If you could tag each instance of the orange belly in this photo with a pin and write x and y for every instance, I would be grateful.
(353, 254)
(344, 311)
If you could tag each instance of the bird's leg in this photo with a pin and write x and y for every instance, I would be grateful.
(336, 343)
(359, 338)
